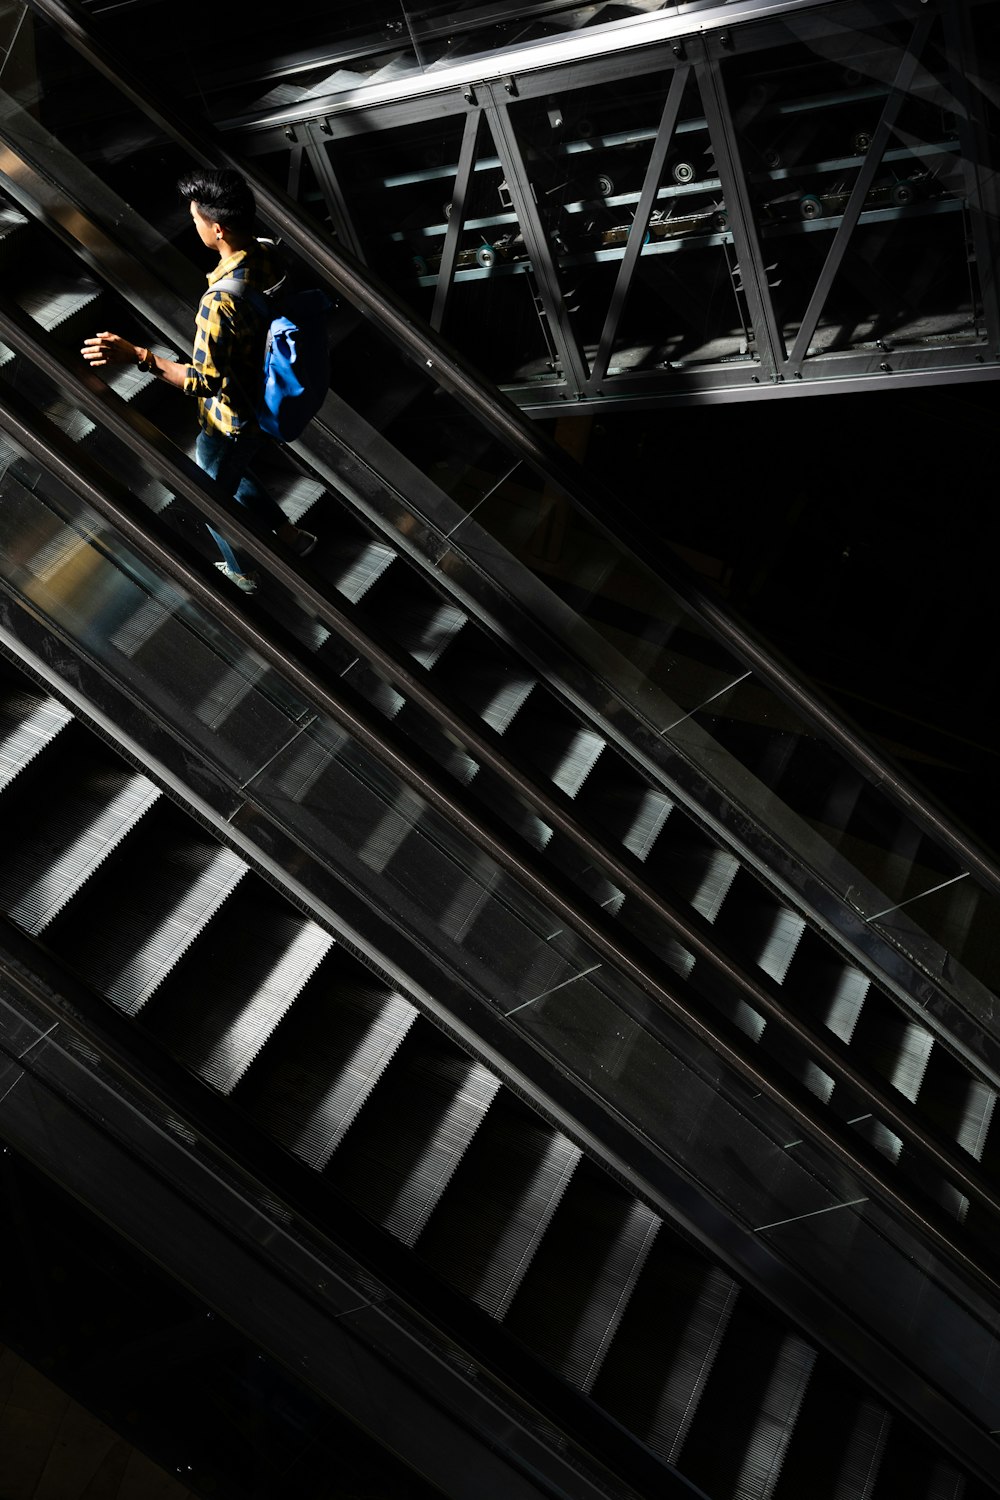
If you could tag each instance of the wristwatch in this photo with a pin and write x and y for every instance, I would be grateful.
(146, 360)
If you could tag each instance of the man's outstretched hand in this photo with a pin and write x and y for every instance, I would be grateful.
(109, 349)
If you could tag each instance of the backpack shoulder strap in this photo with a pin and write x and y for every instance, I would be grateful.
(238, 288)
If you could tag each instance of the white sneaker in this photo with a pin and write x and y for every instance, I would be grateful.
(246, 581)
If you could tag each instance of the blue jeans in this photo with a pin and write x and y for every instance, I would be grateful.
(227, 460)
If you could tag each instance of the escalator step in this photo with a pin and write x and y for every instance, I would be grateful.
(826, 990)
(898, 1047)
(776, 1420)
(70, 837)
(252, 985)
(647, 822)
(15, 233)
(670, 1334)
(759, 1381)
(575, 1292)
(839, 1443)
(496, 693)
(131, 924)
(309, 1083)
(762, 931)
(487, 1228)
(704, 876)
(403, 1150)
(355, 568)
(61, 303)
(414, 617)
(28, 724)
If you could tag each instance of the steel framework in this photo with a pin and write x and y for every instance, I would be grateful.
(809, 203)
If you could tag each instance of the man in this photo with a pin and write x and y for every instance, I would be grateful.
(227, 359)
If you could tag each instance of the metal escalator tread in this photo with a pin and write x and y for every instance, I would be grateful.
(414, 616)
(381, 829)
(689, 1303)
(83, 819)
(487, 1228)
(29, 722)
(253, 984)
(318, 1068)
(399, 1175)
(759, 1380)
(963, 1106)
(222, 687)
(556, 744)
(493, 685)
(61, 302)
(14, 226)
(830, 1462)
(575, 1291)
(900, 1048)
(776, 1419)
(761, 929)
(830, 992)
(697, 871)
(162, 886)
(355, 566)
(629, 811)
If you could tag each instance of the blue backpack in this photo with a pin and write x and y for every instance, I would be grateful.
(296, 375)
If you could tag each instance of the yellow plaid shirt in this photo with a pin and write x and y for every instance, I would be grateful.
(226, 366)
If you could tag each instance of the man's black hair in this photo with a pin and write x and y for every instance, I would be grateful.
(223, 197)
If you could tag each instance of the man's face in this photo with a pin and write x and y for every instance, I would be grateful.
(206, 229)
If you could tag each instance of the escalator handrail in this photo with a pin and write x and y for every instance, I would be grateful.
(507, 422)
(732, 1050)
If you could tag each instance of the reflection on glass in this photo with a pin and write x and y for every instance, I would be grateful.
(816, 117)
(421, 39)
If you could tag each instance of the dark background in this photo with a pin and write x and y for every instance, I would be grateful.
(858, 534)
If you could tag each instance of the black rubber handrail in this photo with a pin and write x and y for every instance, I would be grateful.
(506, 422)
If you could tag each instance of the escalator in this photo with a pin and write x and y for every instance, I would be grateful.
(697, 896)
(565, 759)
(501, 1207)
(139, 902)
(584, 779)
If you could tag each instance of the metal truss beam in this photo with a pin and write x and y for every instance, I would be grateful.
(705, 388)
(553, 307)
(456, 221)
(640, 223)
(749, 256)
(329, 185)
(905, 74)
